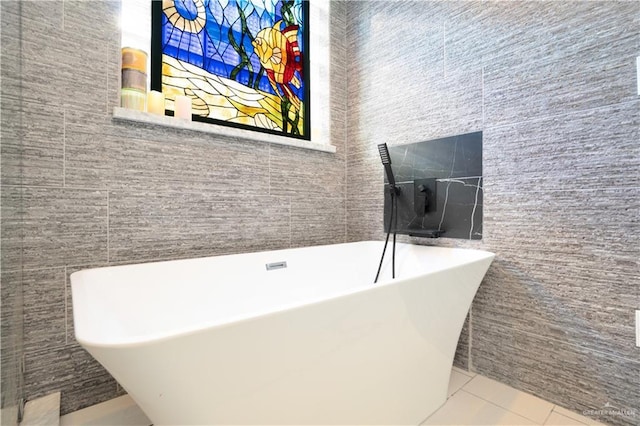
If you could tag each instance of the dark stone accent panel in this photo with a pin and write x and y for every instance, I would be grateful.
(458, 210)
(451, 157)
(455, 163)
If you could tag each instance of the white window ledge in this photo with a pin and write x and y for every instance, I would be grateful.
(133, 116)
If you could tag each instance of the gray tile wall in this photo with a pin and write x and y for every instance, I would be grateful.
(552, 85)
(11, 293)
(90, 192)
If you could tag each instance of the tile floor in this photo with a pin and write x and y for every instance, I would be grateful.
(477, 400)
(473, 400)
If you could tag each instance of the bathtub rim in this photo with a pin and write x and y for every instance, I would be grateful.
(151, 338)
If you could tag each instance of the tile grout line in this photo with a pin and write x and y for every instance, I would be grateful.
(504, 408)
(470, 338)
(290, 220)
(463, 372)
(108, 216)
(572, 345)
(579, 190)
(444, 50)
(558, 116)
(345, 135)
(482, 102)
(66, 309)
(549, 415)
(235, 195)
(498, 406)
(64, 147)
(108, 86)
(269, 170)
(576, 416)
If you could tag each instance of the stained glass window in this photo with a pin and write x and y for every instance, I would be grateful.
(243, 63)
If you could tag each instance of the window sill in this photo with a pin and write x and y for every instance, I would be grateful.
(133, 116)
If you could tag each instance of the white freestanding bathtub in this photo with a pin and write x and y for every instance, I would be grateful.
(223, 340)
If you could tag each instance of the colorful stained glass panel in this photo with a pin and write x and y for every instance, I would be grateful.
(243, 63)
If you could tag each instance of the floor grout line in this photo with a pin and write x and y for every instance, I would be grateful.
(125, 401)
(461, 371)
(549, 415)
(504, 408)
(498, 406)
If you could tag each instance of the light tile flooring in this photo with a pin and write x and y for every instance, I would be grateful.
(120, 411)
(477, 400)
(473, 400)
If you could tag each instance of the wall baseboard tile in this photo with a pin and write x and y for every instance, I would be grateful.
(44, 411)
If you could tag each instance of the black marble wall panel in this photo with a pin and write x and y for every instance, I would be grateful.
(455, 208)
(552, 87)
(457, 156)
(85, 192)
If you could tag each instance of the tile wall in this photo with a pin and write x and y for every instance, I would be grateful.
(552, 86)
(11, 295)
(97, 193)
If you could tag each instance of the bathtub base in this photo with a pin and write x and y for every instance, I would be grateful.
(386, 360)
(377, 356)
